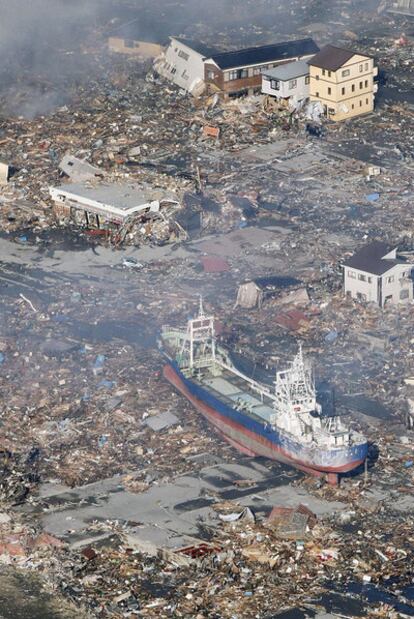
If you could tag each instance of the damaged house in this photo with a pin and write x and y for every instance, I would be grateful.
(183, 64)
(240, 72)
(108, 205)
(376, 274)
(402, 7)
(343, 81)
(195, 67)
(79, 170)
(288, 83)
(129, 39)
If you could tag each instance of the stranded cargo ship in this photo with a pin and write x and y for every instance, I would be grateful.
(284, 423)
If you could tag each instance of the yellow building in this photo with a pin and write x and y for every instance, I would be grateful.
(343, 81)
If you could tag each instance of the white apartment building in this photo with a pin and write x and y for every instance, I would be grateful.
(375, 274)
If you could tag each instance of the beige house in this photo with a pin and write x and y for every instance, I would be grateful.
(376, 274)
(131, 39)
(131, 47)
(343, 81)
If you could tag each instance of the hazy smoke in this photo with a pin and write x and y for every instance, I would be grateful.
(39, 46)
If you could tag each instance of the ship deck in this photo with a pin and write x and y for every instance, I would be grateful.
(236, 392)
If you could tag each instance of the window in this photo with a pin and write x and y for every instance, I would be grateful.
(226, 76)
(353, 106)
(404, 294)
(362, 277)
(361, 297)
(332, 111)
(307, 79)
(211, 75)
(316, 94)
(346, 72)
(275, 84)
(390, 279)
(369, 280)
(329, 91)
(353, 87)
(239, 74)
(366, 83)
(323, 71)
(366, 66)
(173, 71)
(360, 103)
(367, 101)
(343, 91)
(183, 55)
(361, 85)
(329, 74)
(184, 75)
(316, 76)
(257, 71)
(361, 68)
(293, 84)
(351, 274)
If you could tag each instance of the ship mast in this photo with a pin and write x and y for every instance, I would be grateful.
(200, 344)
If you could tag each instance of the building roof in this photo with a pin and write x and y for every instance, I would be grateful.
(118, 200)
(200, 48)
(289, 71)
(145, 30)
(371, 259)
(333, 58)
(266, 53)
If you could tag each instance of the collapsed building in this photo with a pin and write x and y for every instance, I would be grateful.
(109, 206)
(129, 39)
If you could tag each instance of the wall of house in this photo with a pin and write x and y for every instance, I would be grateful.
(357, 283)
(4, 173)
(134, 48)
(300, 91)
(364, 286)
(347, 92)
(396, 280)
(183, 66)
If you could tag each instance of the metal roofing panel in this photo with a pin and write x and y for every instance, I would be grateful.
(289, 71)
